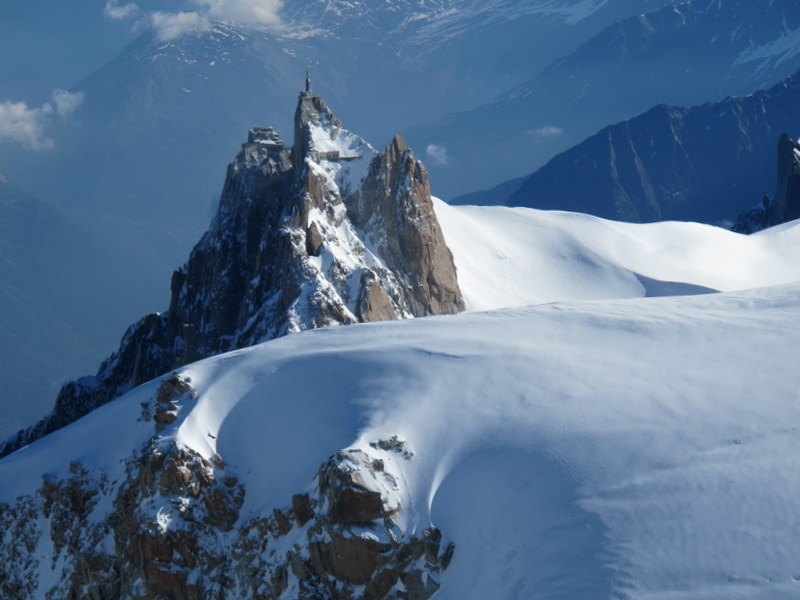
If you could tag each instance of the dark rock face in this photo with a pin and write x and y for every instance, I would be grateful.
(343, 537)
(786, 204)
(414, 248)
(706, 163)
(329, 232)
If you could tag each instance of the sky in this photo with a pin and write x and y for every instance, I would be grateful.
(54, 45)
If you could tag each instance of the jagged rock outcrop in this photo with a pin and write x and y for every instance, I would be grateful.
(329, 232)
(786, 204)
(414, 247)
(342, 539)
(171, 525)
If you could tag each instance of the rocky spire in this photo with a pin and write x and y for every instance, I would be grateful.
(330, 232)
(786, 204)
(396, 198)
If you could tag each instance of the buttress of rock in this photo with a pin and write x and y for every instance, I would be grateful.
(328, 232)
(787, 189)
(785, 206)
(396, 198)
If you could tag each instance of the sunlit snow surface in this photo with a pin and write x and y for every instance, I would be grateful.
(519, 256)
(590, 448)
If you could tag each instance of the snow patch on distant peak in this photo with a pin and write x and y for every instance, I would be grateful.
(772, 54)
(456, 17)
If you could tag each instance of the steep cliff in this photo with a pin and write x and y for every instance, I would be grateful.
(329, 232)
(785, 205)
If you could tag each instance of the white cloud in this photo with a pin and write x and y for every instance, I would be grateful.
(66, 102)
(114, 11)
(260, 12)
(198, 16)
(546, 131)
(438, 154)
(26, 125)
(168, 26)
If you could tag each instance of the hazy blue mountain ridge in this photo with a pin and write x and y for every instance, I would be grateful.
(59, 282)
(685, 53)
(708, 163)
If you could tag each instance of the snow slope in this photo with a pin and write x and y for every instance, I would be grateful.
(630, 448)
(519, 256)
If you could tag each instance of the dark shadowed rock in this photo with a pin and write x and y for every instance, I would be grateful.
(786, 204)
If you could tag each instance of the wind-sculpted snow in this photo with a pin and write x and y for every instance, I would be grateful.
(605, 449)
(512, 256)
(593, 442)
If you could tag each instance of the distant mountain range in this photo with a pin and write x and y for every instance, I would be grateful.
(685, 53)
(135, 170)
(708, 163)
(165, 108)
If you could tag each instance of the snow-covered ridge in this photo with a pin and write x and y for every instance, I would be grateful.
(342, 154)
(518, 256)
(631, 446)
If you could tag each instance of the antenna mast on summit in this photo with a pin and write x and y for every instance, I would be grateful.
(308, 81)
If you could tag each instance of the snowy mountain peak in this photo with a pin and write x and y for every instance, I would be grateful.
(328, 232)
(322, 143)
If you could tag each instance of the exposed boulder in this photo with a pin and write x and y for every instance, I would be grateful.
(174, 525)
(708, 163)
(396, 198)
(347, 543)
